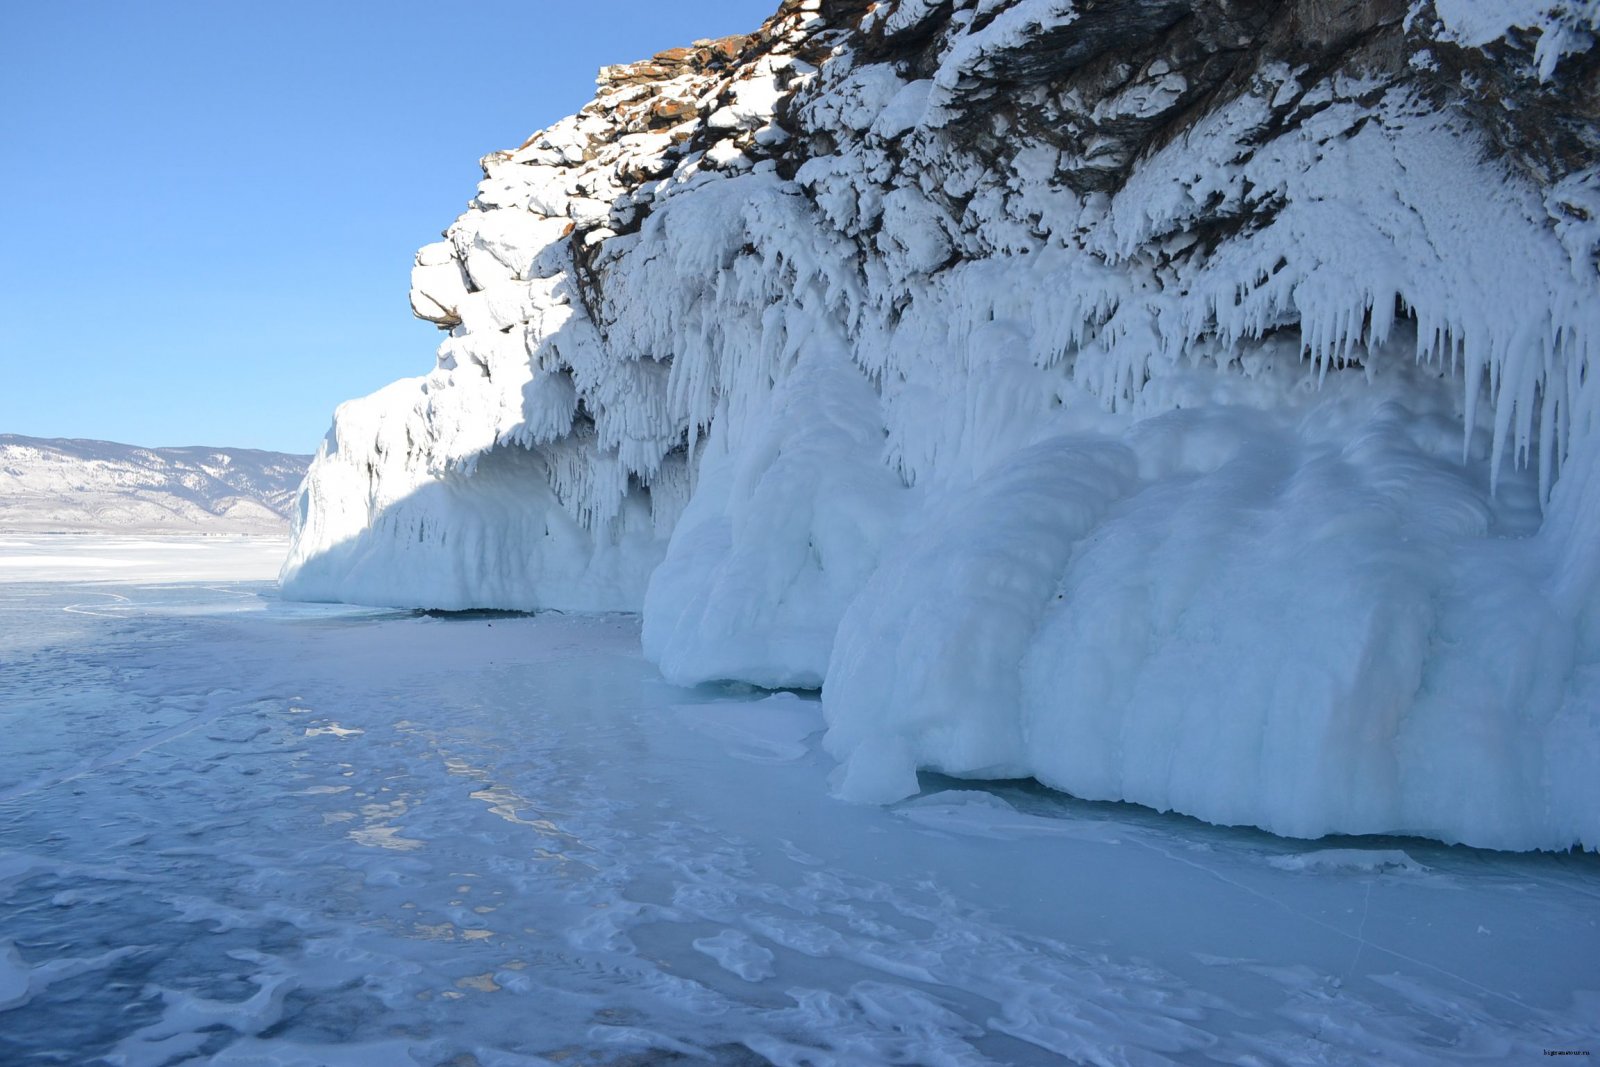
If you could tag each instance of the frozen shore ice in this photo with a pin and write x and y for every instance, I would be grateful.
(239, 830)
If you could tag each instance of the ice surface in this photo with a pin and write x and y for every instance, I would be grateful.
(978, 812)
(1262, 488)
(773, 730)
(13, 978)
(78, 558)
(242, 831)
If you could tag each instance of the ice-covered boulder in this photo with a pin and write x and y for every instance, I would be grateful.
(1177, 402)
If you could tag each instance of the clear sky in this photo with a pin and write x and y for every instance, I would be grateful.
(208, 209)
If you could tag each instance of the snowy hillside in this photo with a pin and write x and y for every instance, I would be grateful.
(73, 486)
(1176, 402)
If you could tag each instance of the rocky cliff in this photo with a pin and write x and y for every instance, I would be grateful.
(1178, 401)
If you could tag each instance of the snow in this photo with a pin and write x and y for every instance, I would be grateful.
(1261, 489)
(774, 730)
(1349, 859)
(236, 829)
(971, 53)
(1562, 27)
(737, 954)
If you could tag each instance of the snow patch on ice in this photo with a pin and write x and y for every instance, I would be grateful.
(773, 730)
(737, 954)
(1375, 861)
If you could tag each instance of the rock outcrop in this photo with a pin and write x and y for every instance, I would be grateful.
(1178, 401)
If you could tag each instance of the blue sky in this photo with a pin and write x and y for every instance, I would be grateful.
(209, 208)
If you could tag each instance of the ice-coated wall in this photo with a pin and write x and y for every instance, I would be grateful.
(1179, 405)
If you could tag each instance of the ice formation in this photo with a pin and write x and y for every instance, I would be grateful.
(1177, 404)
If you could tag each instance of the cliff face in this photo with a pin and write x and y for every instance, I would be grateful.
(1180, 402)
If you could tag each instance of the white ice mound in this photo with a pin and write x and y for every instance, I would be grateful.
(1233, 452)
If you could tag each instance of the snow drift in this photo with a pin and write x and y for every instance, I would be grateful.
(1180, 405)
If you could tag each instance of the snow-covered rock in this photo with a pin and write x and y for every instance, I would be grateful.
(1181, 403)
(73, 486)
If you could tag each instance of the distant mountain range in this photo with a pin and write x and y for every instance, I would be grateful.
(74, 486)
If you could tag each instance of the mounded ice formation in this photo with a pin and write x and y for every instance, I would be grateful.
(1183, 402)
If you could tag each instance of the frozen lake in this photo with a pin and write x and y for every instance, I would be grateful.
(235, 830)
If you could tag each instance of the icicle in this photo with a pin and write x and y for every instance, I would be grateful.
(1548, 434)
(1473, 383)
